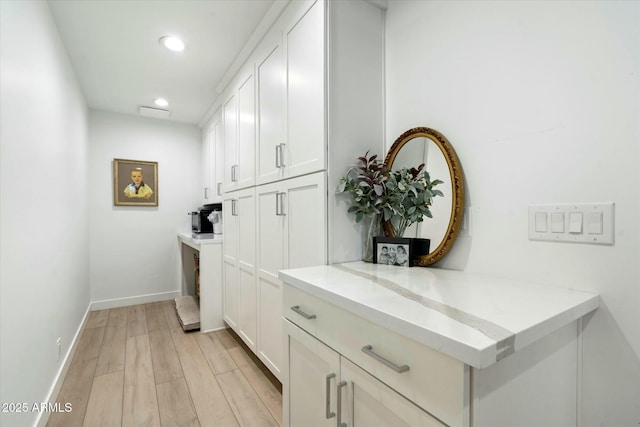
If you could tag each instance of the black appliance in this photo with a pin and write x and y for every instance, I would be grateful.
(200, 224)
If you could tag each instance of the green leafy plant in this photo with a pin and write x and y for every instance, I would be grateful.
(409, 194)
(366, 185)
(401, 196)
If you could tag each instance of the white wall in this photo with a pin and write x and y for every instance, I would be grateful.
(134, 256)
(44, 237)
(541, 102)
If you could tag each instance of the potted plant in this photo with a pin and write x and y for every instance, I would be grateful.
(378, 194)
(365, 183)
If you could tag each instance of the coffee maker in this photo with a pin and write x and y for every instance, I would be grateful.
(200, 223)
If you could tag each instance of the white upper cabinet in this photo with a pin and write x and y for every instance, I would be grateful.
(230, 120)
(320, 99)
(218, 156)
(239, 132)
(208, 139)
(212, 160)
(291, 95)
(271, 78)
(245, 174)
(304, 42)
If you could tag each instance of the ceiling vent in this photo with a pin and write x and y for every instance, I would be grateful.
(156, 113)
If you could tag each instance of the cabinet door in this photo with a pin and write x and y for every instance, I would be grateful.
(314, 372)
(230, 261)
(207, 166)
(270, 224)
(247, 303)
(371, 403)
(245, 174)
(230, 120)
(306, 221)
(270, 74)
(218, 161)
(305, 59)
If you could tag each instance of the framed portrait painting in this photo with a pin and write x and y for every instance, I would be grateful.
(135, 183)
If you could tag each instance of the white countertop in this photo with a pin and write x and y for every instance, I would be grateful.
(187, 239)
(474, 318)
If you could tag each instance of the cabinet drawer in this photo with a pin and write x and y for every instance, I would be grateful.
(433, 381)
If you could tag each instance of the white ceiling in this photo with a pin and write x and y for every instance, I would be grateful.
(113, 46)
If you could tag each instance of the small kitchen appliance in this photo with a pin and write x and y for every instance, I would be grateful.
(200, 224)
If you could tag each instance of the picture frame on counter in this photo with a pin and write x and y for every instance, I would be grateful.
(392, 251)
(135, 182)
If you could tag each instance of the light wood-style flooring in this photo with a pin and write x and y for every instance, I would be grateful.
(134, 366)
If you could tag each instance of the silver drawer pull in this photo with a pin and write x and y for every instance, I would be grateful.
(367, 349)
(296, 308)
(341, 384)
(328, 413)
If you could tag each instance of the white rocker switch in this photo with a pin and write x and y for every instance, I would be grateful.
(541, 222)
(594, 223)
(575, 222)
(557, 222)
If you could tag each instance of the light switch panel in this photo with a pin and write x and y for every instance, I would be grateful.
(573, 222)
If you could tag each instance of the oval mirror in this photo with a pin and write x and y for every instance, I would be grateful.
(428, 146)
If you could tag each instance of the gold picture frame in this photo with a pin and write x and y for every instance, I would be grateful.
(135, 183)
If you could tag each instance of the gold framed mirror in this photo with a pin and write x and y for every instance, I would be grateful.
(428, 146)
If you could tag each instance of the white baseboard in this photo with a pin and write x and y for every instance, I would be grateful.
(43, 417)
(140, 299)
(204, 331)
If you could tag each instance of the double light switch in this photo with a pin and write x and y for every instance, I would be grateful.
(584, 222)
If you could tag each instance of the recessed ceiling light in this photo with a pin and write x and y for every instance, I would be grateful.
(161, 102)
(172, 43)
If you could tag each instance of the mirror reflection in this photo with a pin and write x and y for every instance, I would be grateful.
(424, 150)
(425, 145)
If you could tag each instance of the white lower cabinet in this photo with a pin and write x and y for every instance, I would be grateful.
(291, 218)
(314, 373)
(384, 379)
(324, 389)
(239, 264)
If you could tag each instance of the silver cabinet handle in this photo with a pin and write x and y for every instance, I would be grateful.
(280, 204)
(296, 308)
(206, 192)
(219, 188)
(328, 413)
(234, 173)
(278, 156)
(367, 349)
(341, 384)
(282, 155)
(234, 207)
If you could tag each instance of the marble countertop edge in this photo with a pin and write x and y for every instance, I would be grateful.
(466, 344)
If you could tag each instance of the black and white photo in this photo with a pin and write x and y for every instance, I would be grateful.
(392, 251)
